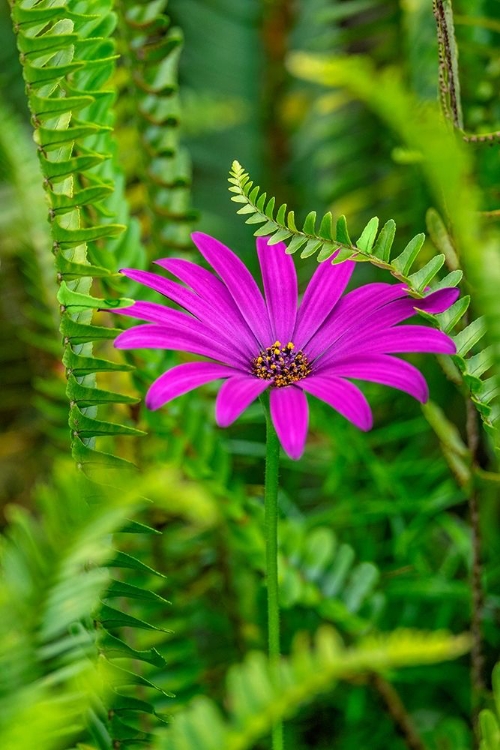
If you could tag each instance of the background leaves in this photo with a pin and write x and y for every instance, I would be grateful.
(136, 112)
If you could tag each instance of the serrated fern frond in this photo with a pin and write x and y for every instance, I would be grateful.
(375, 247)
(151, 47)
(446, 166)
(258, 696)
(326, 240)
(67, 58)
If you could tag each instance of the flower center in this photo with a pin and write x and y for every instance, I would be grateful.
(281, 364)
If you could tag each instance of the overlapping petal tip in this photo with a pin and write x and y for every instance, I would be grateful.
(401, 309)
(438, 302)
(407, 339)
(384, 369)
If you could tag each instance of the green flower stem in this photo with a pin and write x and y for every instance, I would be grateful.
(271, 524)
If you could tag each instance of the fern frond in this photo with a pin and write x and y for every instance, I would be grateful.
(374, 247)
(446, 166)
(49, 678)
(71, 114)
(258, 696)
(68, 58)
(318, 572)
(325, 241)
(151, 47)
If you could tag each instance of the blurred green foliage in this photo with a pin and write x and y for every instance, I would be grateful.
(115, 121)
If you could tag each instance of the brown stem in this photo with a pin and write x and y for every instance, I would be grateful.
(489, 138)
(396, 709)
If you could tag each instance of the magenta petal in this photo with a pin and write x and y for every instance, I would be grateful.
(215, 293)
(280, 286)
(384, 369)
(322, 294)
(240, 283)
(186, 337)
(175, 292)
(181, 379)
(235, 396)
(152, 312)
(439, 301)
(342, 396)
(354, 309)
(402, 309)
(393, 341)
(208, 313)
(290, 415)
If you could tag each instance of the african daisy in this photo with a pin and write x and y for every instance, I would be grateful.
(255, 343)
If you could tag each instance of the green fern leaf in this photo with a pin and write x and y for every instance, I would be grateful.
(368, 235)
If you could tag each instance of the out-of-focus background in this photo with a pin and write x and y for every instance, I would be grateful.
(376, 528)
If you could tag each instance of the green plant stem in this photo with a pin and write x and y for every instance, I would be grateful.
(271, 524)
(477, 653)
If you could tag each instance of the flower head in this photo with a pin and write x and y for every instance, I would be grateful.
(255, 343)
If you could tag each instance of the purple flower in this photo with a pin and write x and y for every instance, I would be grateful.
(276, 343)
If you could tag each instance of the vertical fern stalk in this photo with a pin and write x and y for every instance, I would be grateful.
(67, 57)
(271, 524)
(151, 48)
(449, 83)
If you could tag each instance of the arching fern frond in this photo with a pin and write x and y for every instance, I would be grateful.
(444, 162)
(326, 240)
(375, 247)
(257, 696)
